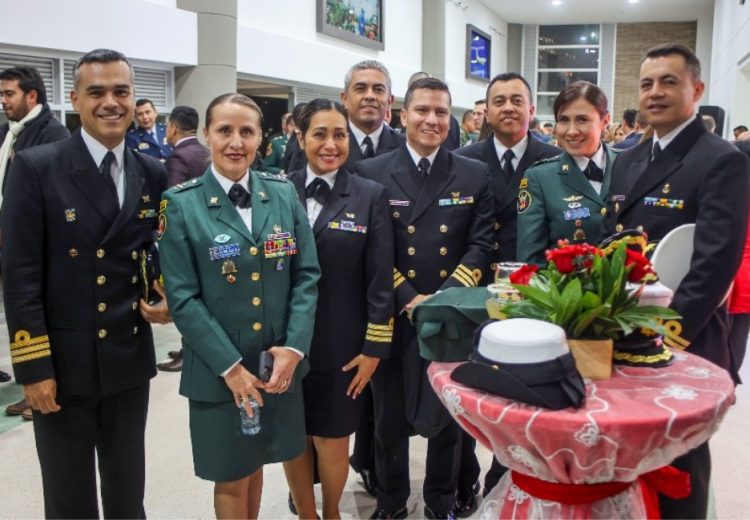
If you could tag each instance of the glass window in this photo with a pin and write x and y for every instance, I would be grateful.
(544, 104)
(569, 34)
(562, 58)
(556, 81)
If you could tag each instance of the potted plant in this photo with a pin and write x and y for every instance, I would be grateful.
(585, 292)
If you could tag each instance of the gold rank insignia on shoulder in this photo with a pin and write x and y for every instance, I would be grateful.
(524, 183)
(70, 215)
(163, 206)
(573, 198)
(146, 198)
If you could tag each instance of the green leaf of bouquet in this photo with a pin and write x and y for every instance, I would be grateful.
(657, 311)
(569, 301)
(581, 323)
(591, 301)
(536, 295)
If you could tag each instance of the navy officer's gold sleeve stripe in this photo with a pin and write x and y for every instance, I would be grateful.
(464, 275)
(26, 348)
(398, 278)
(379, 333)
(678, 343)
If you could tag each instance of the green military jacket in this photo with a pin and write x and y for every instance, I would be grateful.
(234, 292)
(274, 161)
(556, 201)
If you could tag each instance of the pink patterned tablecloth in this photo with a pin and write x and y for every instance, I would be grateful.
(638, 421)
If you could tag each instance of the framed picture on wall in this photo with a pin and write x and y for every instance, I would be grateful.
(478, 53)
(354, 21)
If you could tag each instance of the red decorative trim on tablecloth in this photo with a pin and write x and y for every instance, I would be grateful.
(668, 481)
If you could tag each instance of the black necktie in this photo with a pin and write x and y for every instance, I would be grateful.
(656, 151)
(424, 167)
(239, 196)
(369, 152)
(319, 190)
(106, 169)
(594, 173)
(508, 169)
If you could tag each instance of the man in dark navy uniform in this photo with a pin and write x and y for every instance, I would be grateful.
(442, 210)
(508, 153)
(150, 137)
(78, 216)
(686, 175)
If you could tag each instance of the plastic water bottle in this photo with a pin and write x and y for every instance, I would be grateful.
(250, 425)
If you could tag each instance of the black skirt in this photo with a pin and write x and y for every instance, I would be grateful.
(329, 412)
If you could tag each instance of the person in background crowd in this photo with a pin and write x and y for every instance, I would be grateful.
(480, 109)
(534, 129)
(618, 134)
(744, 136)
(468, 130)
(563, 198)
(508, 153)
(416, 176)
(244, 299)
(710, 178)
(77, 217)
(710, 123)
(30, 123)
(150, 137)
(739, 130)
(635, 136)
(188, 160)
(628, 123)
(293, 160)
(347, 213)
(274, 160)
(739, 299)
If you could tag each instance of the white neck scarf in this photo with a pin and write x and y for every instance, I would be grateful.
(15, 128)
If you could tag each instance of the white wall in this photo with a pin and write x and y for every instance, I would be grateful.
(142, 30)
(278, 39)
(466, 91)
(731, 47)
(167, 3)
(703, 42)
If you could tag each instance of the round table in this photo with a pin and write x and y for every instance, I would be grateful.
(638, 421)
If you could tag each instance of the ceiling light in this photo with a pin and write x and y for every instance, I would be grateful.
(556, 2)
(633, 1)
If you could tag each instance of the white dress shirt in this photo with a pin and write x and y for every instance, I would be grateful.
(600, 159)
(518, 150)
(664, 141)
(98, 151)
(359, 135)
(313, 207)
(416, 157)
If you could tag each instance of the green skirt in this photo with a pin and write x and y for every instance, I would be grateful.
(221, 453)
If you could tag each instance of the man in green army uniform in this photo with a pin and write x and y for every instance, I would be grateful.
(274, 161)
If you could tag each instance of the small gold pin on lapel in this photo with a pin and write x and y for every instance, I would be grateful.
(350, 215)
(146, 198)
(261, 194)
(456, 194)
(667, 188)
(214, 200)
(565, 167)
(277, 229)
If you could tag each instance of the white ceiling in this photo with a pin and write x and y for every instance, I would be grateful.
(598, 11)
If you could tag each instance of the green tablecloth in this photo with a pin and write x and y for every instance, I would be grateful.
(447, 321)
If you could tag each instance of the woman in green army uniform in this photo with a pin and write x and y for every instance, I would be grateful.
(565, 197)
(240, 271)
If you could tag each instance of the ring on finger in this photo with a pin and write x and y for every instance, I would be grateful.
(283, 382)
(243, 399)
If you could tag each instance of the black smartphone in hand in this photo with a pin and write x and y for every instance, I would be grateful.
(266, 369)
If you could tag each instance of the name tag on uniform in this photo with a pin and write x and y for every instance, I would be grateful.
(664, 203)
(349, 226)
(456, 201)
(575, 214)
(281, 247)
(228, 251)
(399, 202)
(143, 146)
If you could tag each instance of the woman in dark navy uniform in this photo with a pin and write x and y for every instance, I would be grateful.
(565, 197)
(350, 219)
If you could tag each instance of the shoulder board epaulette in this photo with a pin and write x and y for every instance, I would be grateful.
(547, 160)
(186, 185)
(270, 176)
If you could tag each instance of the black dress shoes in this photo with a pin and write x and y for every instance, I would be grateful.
(382, 514)
(174, 365)
(5, 377)
(370, 481)
(429, 513)
(175, 354)
(466, 501)
(18, 408)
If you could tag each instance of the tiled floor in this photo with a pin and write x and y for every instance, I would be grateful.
(174, 492)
